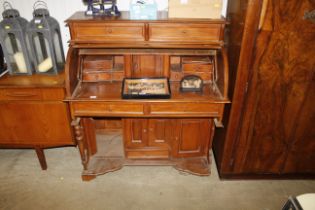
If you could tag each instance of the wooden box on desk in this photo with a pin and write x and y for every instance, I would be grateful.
(195, 9)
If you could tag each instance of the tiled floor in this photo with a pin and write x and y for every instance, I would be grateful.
(24, 186)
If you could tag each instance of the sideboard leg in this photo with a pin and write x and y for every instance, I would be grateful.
(41, 157)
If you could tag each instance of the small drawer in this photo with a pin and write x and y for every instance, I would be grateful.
(107, 32)
(195, 67)
(21, 94)
(103, 76)
(185, 33)
(106, 109)
(197, 64)
(185, 109)
(205, 76)
(177, 76)
(92, 63)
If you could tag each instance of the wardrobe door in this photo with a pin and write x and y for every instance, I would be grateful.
(276, 133)
(301, 155)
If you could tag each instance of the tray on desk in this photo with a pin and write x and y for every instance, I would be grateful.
(146, 88)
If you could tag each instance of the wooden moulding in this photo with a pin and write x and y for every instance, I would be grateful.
(71, 71)
(101, 165)
(112, 151)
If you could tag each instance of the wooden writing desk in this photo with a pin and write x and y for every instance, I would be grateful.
(112, 132)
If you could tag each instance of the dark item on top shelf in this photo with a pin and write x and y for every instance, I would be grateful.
(101, 7)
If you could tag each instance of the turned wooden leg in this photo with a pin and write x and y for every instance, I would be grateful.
(79, 136)
(41, 157)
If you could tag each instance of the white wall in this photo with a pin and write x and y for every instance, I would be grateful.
(63, 9)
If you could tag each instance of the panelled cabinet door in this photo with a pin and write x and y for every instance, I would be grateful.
(148, 133)
(135, 133)
(193, 137)
(161, 133)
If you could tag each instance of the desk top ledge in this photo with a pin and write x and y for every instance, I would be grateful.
(124, 17)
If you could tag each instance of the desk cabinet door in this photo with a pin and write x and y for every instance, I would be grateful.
(35, 123)
(193, 137)
(148, 133)
(161, 133)
(135, 133)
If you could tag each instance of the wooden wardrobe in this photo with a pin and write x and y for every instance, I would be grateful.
(271, 122)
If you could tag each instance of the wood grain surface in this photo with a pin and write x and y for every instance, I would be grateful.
(271, 127)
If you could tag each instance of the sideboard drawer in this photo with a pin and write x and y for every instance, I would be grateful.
(32, 94)
(49, 94)
(21, 94)
(185, 33)
(106, 32)
(106, 109)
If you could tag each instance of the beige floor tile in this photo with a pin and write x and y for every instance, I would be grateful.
(23, 185)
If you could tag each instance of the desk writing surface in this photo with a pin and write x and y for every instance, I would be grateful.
(111, 91)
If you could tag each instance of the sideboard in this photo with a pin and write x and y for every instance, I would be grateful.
(112, 132)
(33, 114)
